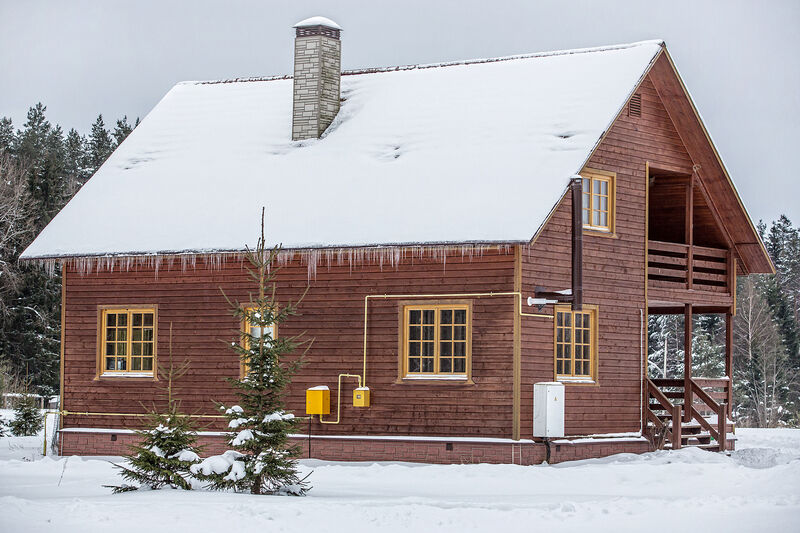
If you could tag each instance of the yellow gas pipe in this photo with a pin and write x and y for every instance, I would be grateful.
(339, 398)
(458, 295)
(65, 413)
(362, 379)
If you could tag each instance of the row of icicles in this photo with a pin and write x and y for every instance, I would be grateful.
(385, 256)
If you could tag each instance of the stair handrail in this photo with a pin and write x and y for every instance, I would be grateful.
(673, 410)
(720, 432)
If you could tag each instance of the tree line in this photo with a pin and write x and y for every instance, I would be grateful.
(41, 168)
(766, 343)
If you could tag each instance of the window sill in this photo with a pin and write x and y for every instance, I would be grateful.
(127, 375)
(600, 233)
(431, 380)
(577, 381)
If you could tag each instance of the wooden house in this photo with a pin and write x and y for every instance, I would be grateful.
(423, 207)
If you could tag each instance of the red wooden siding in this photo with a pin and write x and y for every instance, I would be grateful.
(332, 314)
(614, 277)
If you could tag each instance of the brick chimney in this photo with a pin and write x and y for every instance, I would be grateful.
(317, 73)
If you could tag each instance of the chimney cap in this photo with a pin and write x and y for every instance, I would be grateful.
(317, 21)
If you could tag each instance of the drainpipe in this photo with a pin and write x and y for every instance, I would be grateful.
(576, 186)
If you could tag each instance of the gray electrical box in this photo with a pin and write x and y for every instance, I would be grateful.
(548, 409)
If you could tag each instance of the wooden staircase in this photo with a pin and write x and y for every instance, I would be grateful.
(668, 425)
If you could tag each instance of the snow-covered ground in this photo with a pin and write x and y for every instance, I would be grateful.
(756, 488)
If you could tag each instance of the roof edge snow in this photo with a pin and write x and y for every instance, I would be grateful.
(421, 66)
(375, 248)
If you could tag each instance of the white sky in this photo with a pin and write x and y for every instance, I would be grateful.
(738, 58)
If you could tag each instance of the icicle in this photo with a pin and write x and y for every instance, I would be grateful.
(383, 256)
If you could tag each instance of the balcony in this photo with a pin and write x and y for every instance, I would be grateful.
(678, 274)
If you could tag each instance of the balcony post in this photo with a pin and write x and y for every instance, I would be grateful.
(687, 363)
(689, 226)
(729, 359)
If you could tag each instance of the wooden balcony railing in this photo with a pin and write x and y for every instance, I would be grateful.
(673, 265)
(663, 414)
(718, 430)
(709, 405)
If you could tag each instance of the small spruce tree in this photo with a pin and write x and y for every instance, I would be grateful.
(28, 419)
(262, 461)
(166, 448)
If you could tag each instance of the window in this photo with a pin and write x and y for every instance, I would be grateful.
(598, 201)
(436, 341)
(129, 341)
(257, 332)
(576, 343)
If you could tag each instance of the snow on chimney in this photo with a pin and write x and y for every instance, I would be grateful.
(317, 73)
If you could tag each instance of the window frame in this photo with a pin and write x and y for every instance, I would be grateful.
(101, 372)
(591, 377)
(245, 325)
(594, 175)
(404, 309)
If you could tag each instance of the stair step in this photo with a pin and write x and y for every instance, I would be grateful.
(701, 438)
(708, 447)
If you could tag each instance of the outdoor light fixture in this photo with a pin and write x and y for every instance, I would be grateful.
(540, 302)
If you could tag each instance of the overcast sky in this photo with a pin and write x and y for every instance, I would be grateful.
(738, 58)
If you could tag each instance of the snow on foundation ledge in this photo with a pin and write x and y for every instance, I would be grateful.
(579, 439)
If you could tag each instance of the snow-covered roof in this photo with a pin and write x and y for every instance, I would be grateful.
(317, 21)
(472, 152)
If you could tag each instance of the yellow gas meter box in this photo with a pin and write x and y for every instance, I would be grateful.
(318, 400)
(361, 397)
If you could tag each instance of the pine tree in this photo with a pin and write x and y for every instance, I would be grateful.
(167, 447)
(54, 167)
(29, 332)
(782, 292)
(665, 346)
(783, 288)
(7, 137)
(28, 419)
(76, 161)
(122, 130)
(708, 342)
(763, 376)
(31, 139)
(262, 460)
(164, 455)
(100, 144)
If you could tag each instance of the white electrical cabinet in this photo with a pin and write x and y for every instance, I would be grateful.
(548, 409)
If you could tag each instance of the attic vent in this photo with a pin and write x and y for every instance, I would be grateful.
(635, 106)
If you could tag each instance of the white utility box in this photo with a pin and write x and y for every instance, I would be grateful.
(548, 409)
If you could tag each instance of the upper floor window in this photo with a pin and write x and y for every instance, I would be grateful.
(576, 343)
(437, 341)
(129, 341)
(598, 200)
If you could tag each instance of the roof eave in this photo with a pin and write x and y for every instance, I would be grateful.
(756, 237)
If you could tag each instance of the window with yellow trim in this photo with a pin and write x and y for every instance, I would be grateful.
(256, 332)
(436, 340)
(129, 341)
(598, 201)
(576, 343)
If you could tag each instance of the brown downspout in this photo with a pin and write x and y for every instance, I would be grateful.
(576, 186)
